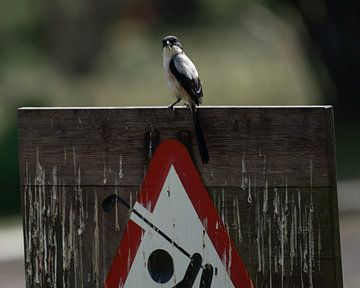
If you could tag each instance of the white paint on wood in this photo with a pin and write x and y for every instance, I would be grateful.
(96, 250)
(117, 226)
(249, 198)
(121, 171)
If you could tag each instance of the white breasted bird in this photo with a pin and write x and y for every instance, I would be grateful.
(183, 81)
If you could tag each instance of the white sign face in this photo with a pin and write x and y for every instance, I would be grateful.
(174, 215)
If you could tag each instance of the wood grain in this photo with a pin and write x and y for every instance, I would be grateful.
(271, 174)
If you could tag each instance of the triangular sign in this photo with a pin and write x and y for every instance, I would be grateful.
(175, 237)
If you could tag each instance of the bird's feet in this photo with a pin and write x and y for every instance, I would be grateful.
(173, 104)
(171, 107)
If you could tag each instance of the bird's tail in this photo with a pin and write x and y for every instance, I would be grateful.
(200, 139)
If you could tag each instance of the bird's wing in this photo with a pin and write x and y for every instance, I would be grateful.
(185, 72)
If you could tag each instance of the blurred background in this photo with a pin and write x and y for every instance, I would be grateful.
(108, 53)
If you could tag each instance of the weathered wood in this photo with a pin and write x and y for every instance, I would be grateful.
(271, 174)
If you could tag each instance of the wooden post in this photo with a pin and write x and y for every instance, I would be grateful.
(271, 177)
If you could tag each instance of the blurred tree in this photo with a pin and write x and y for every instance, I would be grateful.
(160, 12)
(76, 29)
(334, 29)
(9, 175)
(177, 12)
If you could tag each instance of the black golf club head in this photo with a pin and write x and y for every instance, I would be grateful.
(109, 202)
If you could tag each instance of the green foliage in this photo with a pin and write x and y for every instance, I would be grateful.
(9, 175)
(347, 149)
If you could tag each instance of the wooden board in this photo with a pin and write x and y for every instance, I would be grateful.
(271, 174)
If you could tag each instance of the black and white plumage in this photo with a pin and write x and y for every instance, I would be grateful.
(184, 82)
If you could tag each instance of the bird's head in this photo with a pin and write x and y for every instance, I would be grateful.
(172, 44)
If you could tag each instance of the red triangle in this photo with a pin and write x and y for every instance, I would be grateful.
(172, 152)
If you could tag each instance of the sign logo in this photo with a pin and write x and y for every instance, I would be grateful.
(175, 237)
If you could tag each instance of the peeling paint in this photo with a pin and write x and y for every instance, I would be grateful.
(117, 226)
(244, 179)
(150, 149)
(211, 174)
(222, 206)
(104, 172)
(28, 221)
(121, 171)
(96, 249)
(265, 197)
(310, 245)
(249, 198)
(270, 255)
(79, 195)
(258, 234)
(237, 221)
(293, 233)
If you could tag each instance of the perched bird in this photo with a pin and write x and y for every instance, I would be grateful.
(184, 82)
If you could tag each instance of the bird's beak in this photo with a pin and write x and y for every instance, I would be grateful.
(168, 45)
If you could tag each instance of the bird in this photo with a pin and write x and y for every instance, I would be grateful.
(183, 81)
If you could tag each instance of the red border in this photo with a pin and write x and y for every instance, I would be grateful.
(172, 152)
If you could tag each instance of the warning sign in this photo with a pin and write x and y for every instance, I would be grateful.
(175, 237)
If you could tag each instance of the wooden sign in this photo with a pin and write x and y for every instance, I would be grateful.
(270, 185)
